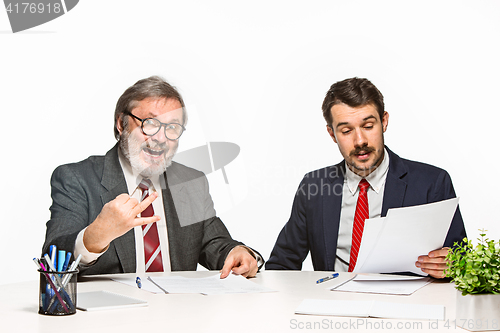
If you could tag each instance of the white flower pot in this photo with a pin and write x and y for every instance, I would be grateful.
(480, 312)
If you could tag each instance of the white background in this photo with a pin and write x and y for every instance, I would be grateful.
(255, 74)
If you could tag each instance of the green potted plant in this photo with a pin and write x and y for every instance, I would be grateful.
(476, 274)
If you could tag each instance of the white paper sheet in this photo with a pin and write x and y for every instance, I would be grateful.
(370, 309)
(386, 277)
(211, 285)
(393, 244)
(383, 284)
(105, 300)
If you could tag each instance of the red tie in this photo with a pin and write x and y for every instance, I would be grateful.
(152, 251)
(359, 222)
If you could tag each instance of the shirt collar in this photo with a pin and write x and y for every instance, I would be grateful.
(376, 179)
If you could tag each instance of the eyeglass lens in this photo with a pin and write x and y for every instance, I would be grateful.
(151, 126)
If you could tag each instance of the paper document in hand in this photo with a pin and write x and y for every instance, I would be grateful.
(211, 285)
(383, 284)
(370, 309)
(393, 243)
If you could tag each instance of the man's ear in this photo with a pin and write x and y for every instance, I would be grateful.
(331, 133)
(119, 124)
(385, 121)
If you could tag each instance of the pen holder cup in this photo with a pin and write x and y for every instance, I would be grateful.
(57, 295)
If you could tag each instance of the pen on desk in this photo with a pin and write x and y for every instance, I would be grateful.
(139, 283)
(333, 276)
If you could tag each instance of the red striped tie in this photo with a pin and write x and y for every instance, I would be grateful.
(152, 251)
(359, 222)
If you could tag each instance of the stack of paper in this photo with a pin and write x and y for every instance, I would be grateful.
(382, 284)
(212, 285)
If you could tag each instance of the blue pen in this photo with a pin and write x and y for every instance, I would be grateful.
(61, 257)
(53, 255)
(333, 276)
(66, 261)
(139, 282)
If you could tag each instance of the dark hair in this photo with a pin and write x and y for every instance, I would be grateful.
(354, 92)
(153, 86)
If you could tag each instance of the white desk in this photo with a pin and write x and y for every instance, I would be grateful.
(262, 312)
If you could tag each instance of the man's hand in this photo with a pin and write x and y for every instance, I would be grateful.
(241, 262)
(434, 263)
(117, 217)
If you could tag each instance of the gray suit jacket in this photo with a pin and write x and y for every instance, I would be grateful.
(195, 234)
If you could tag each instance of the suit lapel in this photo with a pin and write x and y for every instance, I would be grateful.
(395, 184)
(114, 182)
(332, 205)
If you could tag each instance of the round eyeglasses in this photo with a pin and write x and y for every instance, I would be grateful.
(151, 126)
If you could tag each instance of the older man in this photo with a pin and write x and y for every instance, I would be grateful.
(134, 210)
(369, 181)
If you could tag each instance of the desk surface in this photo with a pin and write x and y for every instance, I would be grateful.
(261, 312)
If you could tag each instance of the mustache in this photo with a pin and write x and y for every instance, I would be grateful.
(155, 145)
(358, 150)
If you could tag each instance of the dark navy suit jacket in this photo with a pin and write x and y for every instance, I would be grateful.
(315, 218)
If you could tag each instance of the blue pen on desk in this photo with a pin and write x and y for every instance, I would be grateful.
(139, 283)
(333, 276)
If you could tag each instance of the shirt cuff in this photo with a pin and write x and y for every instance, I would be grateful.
(88, 258)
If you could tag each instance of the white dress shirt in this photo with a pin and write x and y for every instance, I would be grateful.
(350, 193)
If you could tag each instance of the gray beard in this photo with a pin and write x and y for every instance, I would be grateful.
(131, 148)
